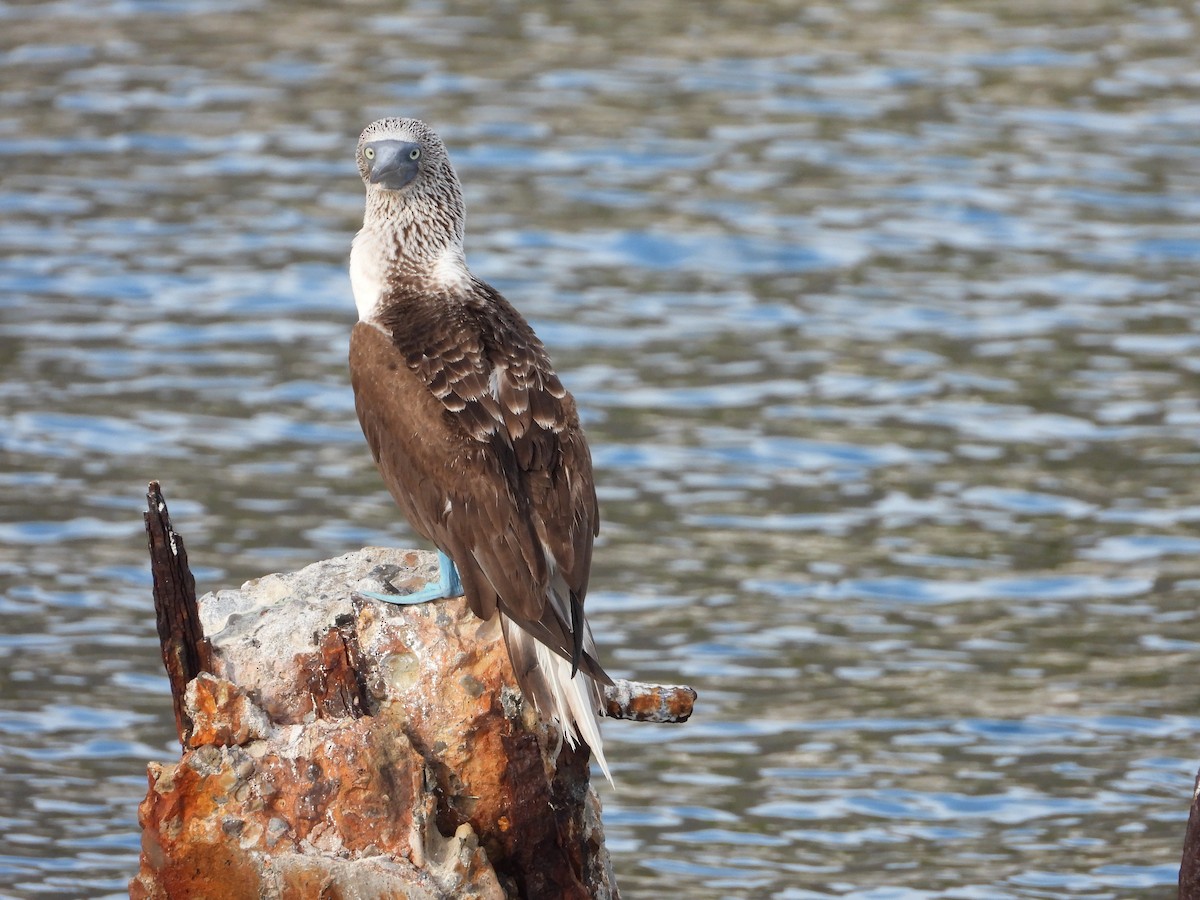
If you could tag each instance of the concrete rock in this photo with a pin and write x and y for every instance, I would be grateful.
(351, 748)
(220, 713)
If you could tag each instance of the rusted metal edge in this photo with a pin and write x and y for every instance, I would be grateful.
(1189, 868)
(641, 702)
(186, 652)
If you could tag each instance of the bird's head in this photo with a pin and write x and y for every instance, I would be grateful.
(403, 155)
(411, 186)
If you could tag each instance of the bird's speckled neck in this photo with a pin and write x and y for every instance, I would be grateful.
(411, 237)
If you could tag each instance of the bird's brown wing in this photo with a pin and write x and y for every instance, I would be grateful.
(481, 446)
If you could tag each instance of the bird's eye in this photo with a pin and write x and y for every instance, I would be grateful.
(414, 153)
(369, 152)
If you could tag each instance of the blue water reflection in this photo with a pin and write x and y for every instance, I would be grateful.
(882, 325)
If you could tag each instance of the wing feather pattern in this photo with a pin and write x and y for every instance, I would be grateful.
(486, 457)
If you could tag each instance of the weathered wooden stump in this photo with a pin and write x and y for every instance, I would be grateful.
(336, 746)
(1189, 868)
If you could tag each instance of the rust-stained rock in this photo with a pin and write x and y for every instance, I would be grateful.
(219, 712)
(269, 820)
(346, 747)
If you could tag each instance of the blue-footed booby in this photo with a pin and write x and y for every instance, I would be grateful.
(475, 436)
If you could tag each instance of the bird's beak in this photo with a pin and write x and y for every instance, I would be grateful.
(393, 166)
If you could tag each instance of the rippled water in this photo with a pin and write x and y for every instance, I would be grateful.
(883, 320)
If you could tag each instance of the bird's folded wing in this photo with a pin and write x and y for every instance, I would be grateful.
(485, 443)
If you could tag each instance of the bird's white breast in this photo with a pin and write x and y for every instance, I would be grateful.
(368, 267)
(373, 260)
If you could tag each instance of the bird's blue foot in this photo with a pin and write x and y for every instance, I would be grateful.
(447, 585)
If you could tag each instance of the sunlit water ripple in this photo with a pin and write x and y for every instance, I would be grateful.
(882, 320)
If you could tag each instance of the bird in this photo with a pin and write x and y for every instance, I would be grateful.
(472, 430)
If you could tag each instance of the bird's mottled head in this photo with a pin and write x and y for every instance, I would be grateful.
(394, 153)
(414, 219)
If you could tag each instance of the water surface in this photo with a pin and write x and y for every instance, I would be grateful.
(882, 319)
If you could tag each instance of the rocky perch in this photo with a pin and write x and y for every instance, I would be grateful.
(336, 746)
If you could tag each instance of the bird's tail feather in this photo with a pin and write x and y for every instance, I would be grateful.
(546, 679)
